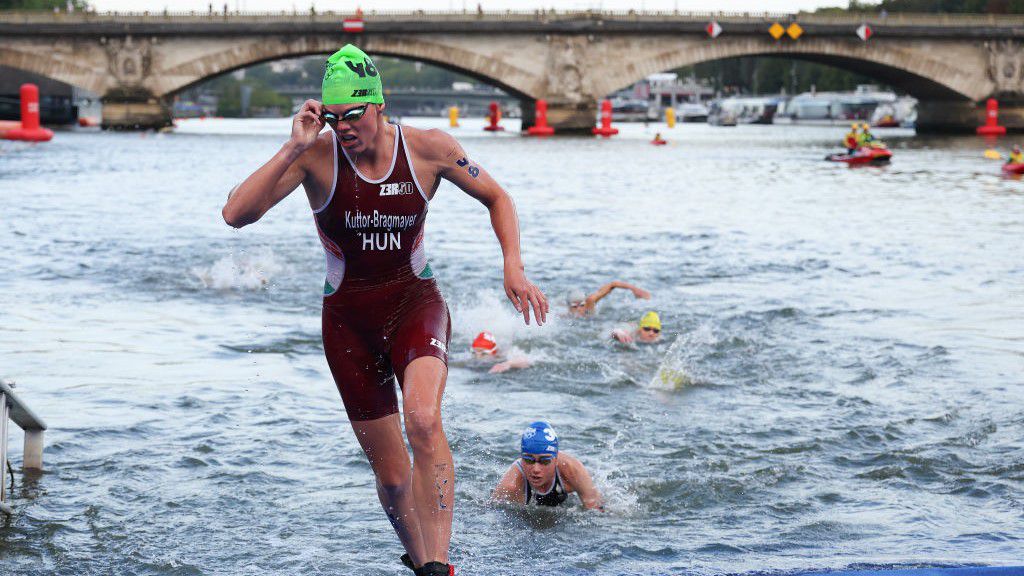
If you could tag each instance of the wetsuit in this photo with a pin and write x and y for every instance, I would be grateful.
(553, 497)
(381, 307)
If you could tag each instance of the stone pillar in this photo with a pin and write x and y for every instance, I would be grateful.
(128, 104)
(528, 109)
(569, 91)
(1006, 71)
(936, 116)
(134, 112)
(572, 118)
(565, 118)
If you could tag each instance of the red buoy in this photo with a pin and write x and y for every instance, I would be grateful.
(30, 131)
(991, 127)
(493, 117)
(540, 121)
(606, 129)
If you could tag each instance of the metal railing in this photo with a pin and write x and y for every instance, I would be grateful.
(876, 19)
(12, 408)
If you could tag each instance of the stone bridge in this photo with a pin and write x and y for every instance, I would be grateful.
(951, 63)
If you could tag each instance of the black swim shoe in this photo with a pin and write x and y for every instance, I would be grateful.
(407, 562)
(435, 569)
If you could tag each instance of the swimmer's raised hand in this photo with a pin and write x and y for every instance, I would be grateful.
(307, 124)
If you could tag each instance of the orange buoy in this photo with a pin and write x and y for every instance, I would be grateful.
(991, 127)
(30, 130)
(540, 121)
(606, 129)
(493, 117)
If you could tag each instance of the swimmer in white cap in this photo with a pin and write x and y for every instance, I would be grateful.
(581, 305)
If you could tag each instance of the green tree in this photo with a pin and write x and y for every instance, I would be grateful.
(78, 5)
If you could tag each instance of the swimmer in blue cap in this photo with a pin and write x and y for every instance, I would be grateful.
(543, 476)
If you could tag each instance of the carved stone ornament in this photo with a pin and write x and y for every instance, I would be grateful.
(566, 55)
(1006, 66)
(128, 60)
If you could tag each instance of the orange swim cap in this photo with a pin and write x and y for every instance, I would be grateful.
(485, 342)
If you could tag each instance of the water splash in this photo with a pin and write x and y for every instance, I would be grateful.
(245, 271)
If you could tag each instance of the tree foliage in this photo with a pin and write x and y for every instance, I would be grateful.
(942, 6)
(78, 5)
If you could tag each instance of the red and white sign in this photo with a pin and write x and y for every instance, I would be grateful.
(713, 29)
(864, 32)
(352, 25)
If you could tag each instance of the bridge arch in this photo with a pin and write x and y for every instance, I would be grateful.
(61, 70)
(497, 73)
(926, 75)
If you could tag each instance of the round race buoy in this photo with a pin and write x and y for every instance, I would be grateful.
(30, 130)
(991, 127)
(493, 117)
(605, 129)
(540, 121)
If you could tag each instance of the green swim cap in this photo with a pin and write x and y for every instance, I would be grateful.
(350, 77)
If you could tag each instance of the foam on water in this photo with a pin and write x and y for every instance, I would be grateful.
(244, 271)
(851, 340)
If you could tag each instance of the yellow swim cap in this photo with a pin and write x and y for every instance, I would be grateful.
(854, 126)
(650, 320)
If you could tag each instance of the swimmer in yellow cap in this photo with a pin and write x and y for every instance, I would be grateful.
(647, 332)
(580, 304)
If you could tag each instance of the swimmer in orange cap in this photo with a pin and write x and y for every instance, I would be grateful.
(485, 348)
(581, 305)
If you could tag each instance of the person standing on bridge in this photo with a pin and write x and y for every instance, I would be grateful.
(369, 184)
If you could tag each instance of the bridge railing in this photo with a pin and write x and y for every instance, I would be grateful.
(12, 408)
(896, 19)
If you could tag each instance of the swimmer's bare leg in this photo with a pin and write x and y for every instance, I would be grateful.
(381, 440)
(433, 474)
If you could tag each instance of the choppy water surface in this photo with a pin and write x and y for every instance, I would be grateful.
(841, 381)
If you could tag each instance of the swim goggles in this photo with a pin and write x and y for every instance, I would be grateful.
(351, 115)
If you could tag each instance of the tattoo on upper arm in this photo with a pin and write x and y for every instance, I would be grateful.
(474, 171)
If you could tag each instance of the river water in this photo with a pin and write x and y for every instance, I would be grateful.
(840, 382)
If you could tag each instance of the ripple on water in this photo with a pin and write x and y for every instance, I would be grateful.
(838, 381)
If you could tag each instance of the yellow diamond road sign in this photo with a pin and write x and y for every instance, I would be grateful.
(776, 30)
(794, 30)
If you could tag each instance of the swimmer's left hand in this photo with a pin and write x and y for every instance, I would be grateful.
(525, 294)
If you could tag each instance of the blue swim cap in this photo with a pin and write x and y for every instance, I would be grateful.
(540, 438)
